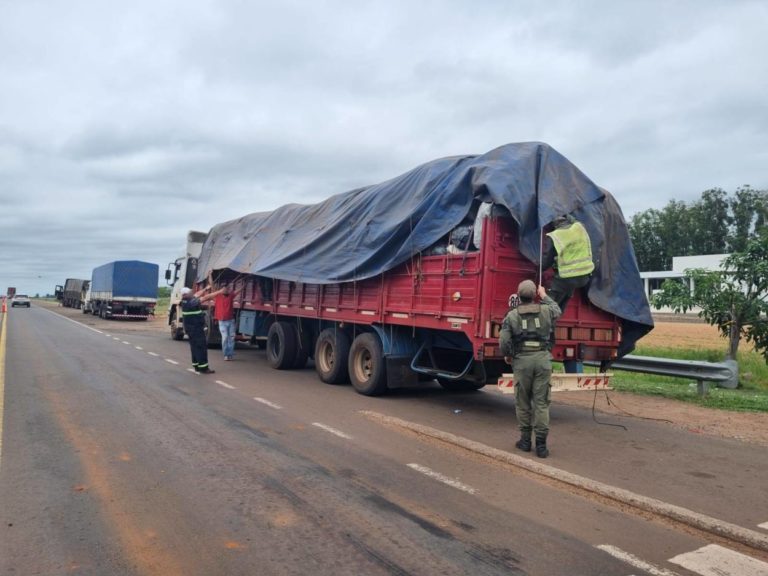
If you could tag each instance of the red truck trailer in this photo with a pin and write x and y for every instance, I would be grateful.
(373, 285)
(436, 316)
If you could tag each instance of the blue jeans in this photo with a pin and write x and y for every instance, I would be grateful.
(227, 329)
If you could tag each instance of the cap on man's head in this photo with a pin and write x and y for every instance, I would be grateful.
(185, 291)
(526, 290)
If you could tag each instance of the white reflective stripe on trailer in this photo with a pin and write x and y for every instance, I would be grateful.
(563, 382)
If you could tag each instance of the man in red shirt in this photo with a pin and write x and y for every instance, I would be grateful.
(224, 314)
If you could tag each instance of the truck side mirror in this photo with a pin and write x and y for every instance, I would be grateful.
(168, 274)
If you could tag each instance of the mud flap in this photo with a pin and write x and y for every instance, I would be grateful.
(399, 373)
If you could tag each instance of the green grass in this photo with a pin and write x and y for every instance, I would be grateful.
(162, 304)
(741, 399)
(753, 369)
(751, 396)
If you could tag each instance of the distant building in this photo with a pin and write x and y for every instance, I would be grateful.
(653, 280)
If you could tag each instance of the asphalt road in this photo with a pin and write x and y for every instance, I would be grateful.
(117, 460)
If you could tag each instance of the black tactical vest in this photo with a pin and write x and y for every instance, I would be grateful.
(535, 329)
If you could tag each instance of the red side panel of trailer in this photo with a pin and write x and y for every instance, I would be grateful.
(466, 293)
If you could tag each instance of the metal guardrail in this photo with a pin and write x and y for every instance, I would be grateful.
(725, 373)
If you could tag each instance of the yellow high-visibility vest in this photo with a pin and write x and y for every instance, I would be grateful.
(574, 251)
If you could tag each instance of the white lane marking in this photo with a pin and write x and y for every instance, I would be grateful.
(153, 353)
(138, 348)
(268, 403)
(115, 338)
(170, 361)
(635, 561)
(73, 321)
(338, 433)
(656, 507)
(714, 560)
(444, 479)
(124, 342)
(764, 525)
(228, 386)
(193, 371)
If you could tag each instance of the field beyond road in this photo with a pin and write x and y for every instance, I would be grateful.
(683, 334)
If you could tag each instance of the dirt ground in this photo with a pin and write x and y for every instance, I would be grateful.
(747, 427)
(697, 420)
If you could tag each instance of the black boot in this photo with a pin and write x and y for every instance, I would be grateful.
(524, 443)
(541, 447)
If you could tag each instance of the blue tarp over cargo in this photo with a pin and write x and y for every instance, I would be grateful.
(367, 231)
(126, 278)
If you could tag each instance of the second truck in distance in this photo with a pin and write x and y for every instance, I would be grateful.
(72, 294)
(123, 289)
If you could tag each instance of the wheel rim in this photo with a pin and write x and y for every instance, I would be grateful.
(273, 345)
(326, 357)
(363, 365)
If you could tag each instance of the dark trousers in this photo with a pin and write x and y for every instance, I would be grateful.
(198, 345)
(563, 288)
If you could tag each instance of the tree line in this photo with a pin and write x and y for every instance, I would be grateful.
(717, 223)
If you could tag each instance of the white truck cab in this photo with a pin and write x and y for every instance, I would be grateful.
(181, 273)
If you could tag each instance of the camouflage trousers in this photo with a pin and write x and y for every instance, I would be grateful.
(532, 391)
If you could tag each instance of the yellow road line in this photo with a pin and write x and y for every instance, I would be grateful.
(3, 339)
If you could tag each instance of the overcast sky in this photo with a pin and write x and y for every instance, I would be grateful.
(123, 125)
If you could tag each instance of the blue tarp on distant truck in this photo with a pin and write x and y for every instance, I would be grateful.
(367, 231)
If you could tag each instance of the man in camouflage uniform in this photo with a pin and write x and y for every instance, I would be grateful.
(525, 339)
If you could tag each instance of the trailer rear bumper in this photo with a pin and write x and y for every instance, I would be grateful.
(563, 382)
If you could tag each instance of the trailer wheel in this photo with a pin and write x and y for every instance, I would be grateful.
(303, 346)
(367, 369)
(177, 332)
(332, 356)
(460, 385)
(212, 334)
(282, 346)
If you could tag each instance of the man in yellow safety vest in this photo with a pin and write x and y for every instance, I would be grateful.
(570, 252)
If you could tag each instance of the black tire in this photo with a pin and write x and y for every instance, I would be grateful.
(460, 385)
(332, 356)
(212, 334)
(367, 367)
(303, 348)
(282, 346)
(177, 332)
